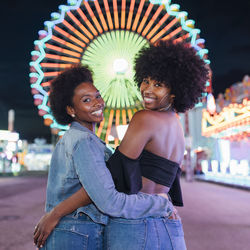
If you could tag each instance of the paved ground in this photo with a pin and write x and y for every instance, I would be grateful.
(214, 217)
(21, 206)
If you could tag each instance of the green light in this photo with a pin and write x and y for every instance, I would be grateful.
(111, 56)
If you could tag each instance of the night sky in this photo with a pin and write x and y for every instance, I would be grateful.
(224, 24)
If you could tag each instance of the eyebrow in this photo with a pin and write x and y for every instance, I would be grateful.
(97, 92)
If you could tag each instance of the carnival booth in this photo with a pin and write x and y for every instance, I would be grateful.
(229, 124)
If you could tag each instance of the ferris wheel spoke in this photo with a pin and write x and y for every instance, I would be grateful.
(173, 33)
(62, 58)
(124, 118)
(80, 25)
(99, 131)
(123, 14)
(110, 23)
(117, 123)
(157, 26)
(130, 114)
(138, 14)
(55, 65)
(69, 37)
(76, 32)
(182, 38)
(63, 51)
(145, 17)
(92, 15)
(130, 15)
(153, 19)
(88, 23)
(164, 30)
(51, 74)
(66, 44)
(115, 10)
(111, 114)
(99, 11)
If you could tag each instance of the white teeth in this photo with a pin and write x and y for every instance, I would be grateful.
(148, 99)
(98, 112)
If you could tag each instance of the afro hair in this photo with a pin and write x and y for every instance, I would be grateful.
(177, 66)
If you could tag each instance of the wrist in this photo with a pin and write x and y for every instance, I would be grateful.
(56, 213)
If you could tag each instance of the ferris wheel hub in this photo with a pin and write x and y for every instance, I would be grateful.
(120, 66)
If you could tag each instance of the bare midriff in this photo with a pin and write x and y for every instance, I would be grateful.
(150, 187)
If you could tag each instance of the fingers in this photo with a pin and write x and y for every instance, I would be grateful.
(36, 228)
(174, 215)
(36, 236)
(41, 240)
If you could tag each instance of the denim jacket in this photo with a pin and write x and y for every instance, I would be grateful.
(79, 160)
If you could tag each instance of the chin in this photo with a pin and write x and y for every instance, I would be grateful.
(149, 106)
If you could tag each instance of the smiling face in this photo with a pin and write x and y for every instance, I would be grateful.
(156, 95)
(88, 105)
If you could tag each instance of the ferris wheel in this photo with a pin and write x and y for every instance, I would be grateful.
(106, 35)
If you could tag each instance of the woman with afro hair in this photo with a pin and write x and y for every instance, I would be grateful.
(171, 78)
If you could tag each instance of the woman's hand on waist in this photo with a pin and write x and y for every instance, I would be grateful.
(44, 227)
(174, 215)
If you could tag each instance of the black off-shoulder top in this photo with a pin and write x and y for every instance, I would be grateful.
(127, 173)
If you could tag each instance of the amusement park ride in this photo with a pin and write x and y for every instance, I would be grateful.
(106, 34)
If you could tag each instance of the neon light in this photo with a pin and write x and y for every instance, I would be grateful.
(109, 125)
(61, 50)
(232, 120)
(164, 30)
(108, 14)
(82, 40)
(129, 114)
(116, 14)
(124, 119)
(157, 13)
(99, 131)
(85, 19)
(49, 74)
(62, 58)
(130, 15)
(172, 34)
(117, 123)
(104, 25)
(138, 14)
(55, 65)
(74, 30)
(67, 44)
(91, 13)
(158, 25)
(70, 37)
(123, 12)
(45, 84)
(78, 24)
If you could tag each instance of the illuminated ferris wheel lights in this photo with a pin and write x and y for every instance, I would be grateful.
(175, 7)
(72, 2)
(105, 35)
(120, 66)
(190, 23)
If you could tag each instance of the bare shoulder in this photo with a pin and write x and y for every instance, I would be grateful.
(143, 116)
